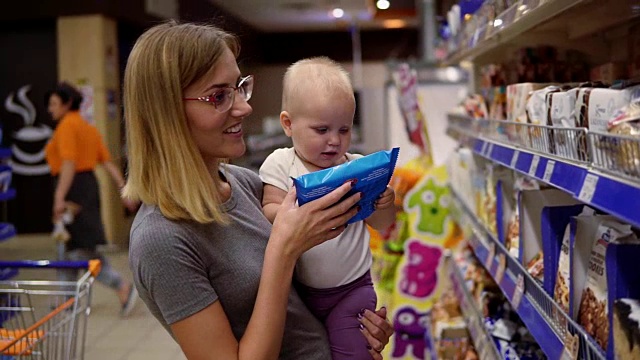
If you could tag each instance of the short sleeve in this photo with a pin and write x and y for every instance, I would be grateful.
(169, 272)
(67, 141)
(275, 169)
(103, 152)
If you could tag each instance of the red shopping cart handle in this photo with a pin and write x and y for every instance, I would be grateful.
(93, 266)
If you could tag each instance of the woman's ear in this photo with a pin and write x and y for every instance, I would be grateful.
(285, 122)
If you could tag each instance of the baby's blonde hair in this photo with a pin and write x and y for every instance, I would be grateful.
(309, 76)
(165, 167)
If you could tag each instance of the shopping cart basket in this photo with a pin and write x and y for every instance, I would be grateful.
(45, 319)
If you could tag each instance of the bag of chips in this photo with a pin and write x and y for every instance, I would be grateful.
(370, 173)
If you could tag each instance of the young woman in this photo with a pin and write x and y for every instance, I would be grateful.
(206, 261)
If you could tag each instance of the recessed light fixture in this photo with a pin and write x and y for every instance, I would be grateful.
(337, 13)
(522, 7)
(383, 4)
(497, 22)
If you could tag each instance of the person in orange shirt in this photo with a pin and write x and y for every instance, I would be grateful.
(74, 151)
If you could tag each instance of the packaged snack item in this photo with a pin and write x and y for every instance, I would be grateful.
(403, 179)
(517, 97)
(489, 204)
(603, 103)
(512, 240)
(371, 174)
(476, 106)
(562, 115)
(537, 106)
(535, 267)
(561, 290)
(498, 108)
(626, 153)
(537, 113)
(406, 80)
(626, 329)
(593, 314)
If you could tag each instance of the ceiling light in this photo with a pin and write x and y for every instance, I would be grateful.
(497, 22)
(383, 4)
(522, 7)
(394, 23)
(337, 13)
(467, 17)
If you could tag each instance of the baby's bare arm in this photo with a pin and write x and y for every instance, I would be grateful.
(272, 198)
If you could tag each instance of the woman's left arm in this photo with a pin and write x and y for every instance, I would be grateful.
(377, 330)
(65, 179)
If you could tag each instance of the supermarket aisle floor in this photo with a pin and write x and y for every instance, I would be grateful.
(139, 337)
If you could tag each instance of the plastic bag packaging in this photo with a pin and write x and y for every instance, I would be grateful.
(371, 174)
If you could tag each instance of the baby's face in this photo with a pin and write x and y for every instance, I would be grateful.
(321, 133)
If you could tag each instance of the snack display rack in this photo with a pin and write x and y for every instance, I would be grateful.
(7, 231)
(598, 169)
(483, 342)
(547, 322)
(484, 40)
(602, 176)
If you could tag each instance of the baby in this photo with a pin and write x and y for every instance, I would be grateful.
(318, 107)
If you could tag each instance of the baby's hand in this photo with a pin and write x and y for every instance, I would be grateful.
(386, 199)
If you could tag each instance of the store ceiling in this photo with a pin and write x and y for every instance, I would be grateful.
(315, 15)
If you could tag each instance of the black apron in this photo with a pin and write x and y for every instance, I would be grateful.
(87, 231)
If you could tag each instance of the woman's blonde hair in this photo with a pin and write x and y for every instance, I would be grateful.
(165, 167)
(307, 76)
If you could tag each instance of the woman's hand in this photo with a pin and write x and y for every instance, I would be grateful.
(58, 209)
(377, 330)
(299, 228)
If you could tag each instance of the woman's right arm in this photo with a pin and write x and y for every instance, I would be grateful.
(207, 334)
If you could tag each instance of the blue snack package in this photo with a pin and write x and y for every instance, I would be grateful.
(372, 173)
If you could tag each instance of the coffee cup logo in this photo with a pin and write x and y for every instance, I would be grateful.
(29, 141)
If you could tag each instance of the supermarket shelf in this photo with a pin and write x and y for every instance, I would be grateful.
(8, 195)
(482, 341)
(590, 182)
(7, 231)
(8, 273)
(546, 321)
(550, 22)
(5, 153)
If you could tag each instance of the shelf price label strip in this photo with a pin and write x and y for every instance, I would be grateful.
(517, 285)
(608, 194)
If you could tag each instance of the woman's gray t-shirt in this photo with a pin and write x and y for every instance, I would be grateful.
(180, 267)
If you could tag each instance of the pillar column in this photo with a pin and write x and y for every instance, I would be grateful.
(88, 58)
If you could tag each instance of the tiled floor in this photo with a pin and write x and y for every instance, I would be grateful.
(138, 337)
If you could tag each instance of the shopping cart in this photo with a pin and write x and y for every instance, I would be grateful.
(45, 319)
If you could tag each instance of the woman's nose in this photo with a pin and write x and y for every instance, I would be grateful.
(241, 107)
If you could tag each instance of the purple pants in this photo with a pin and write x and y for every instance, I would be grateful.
(338, 310)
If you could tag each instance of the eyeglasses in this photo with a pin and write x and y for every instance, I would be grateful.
(224, 97)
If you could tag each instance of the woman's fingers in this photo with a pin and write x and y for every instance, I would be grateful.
(290, 199)
(342, 218)
(377, 326)
(333, 197)
(375, 346)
